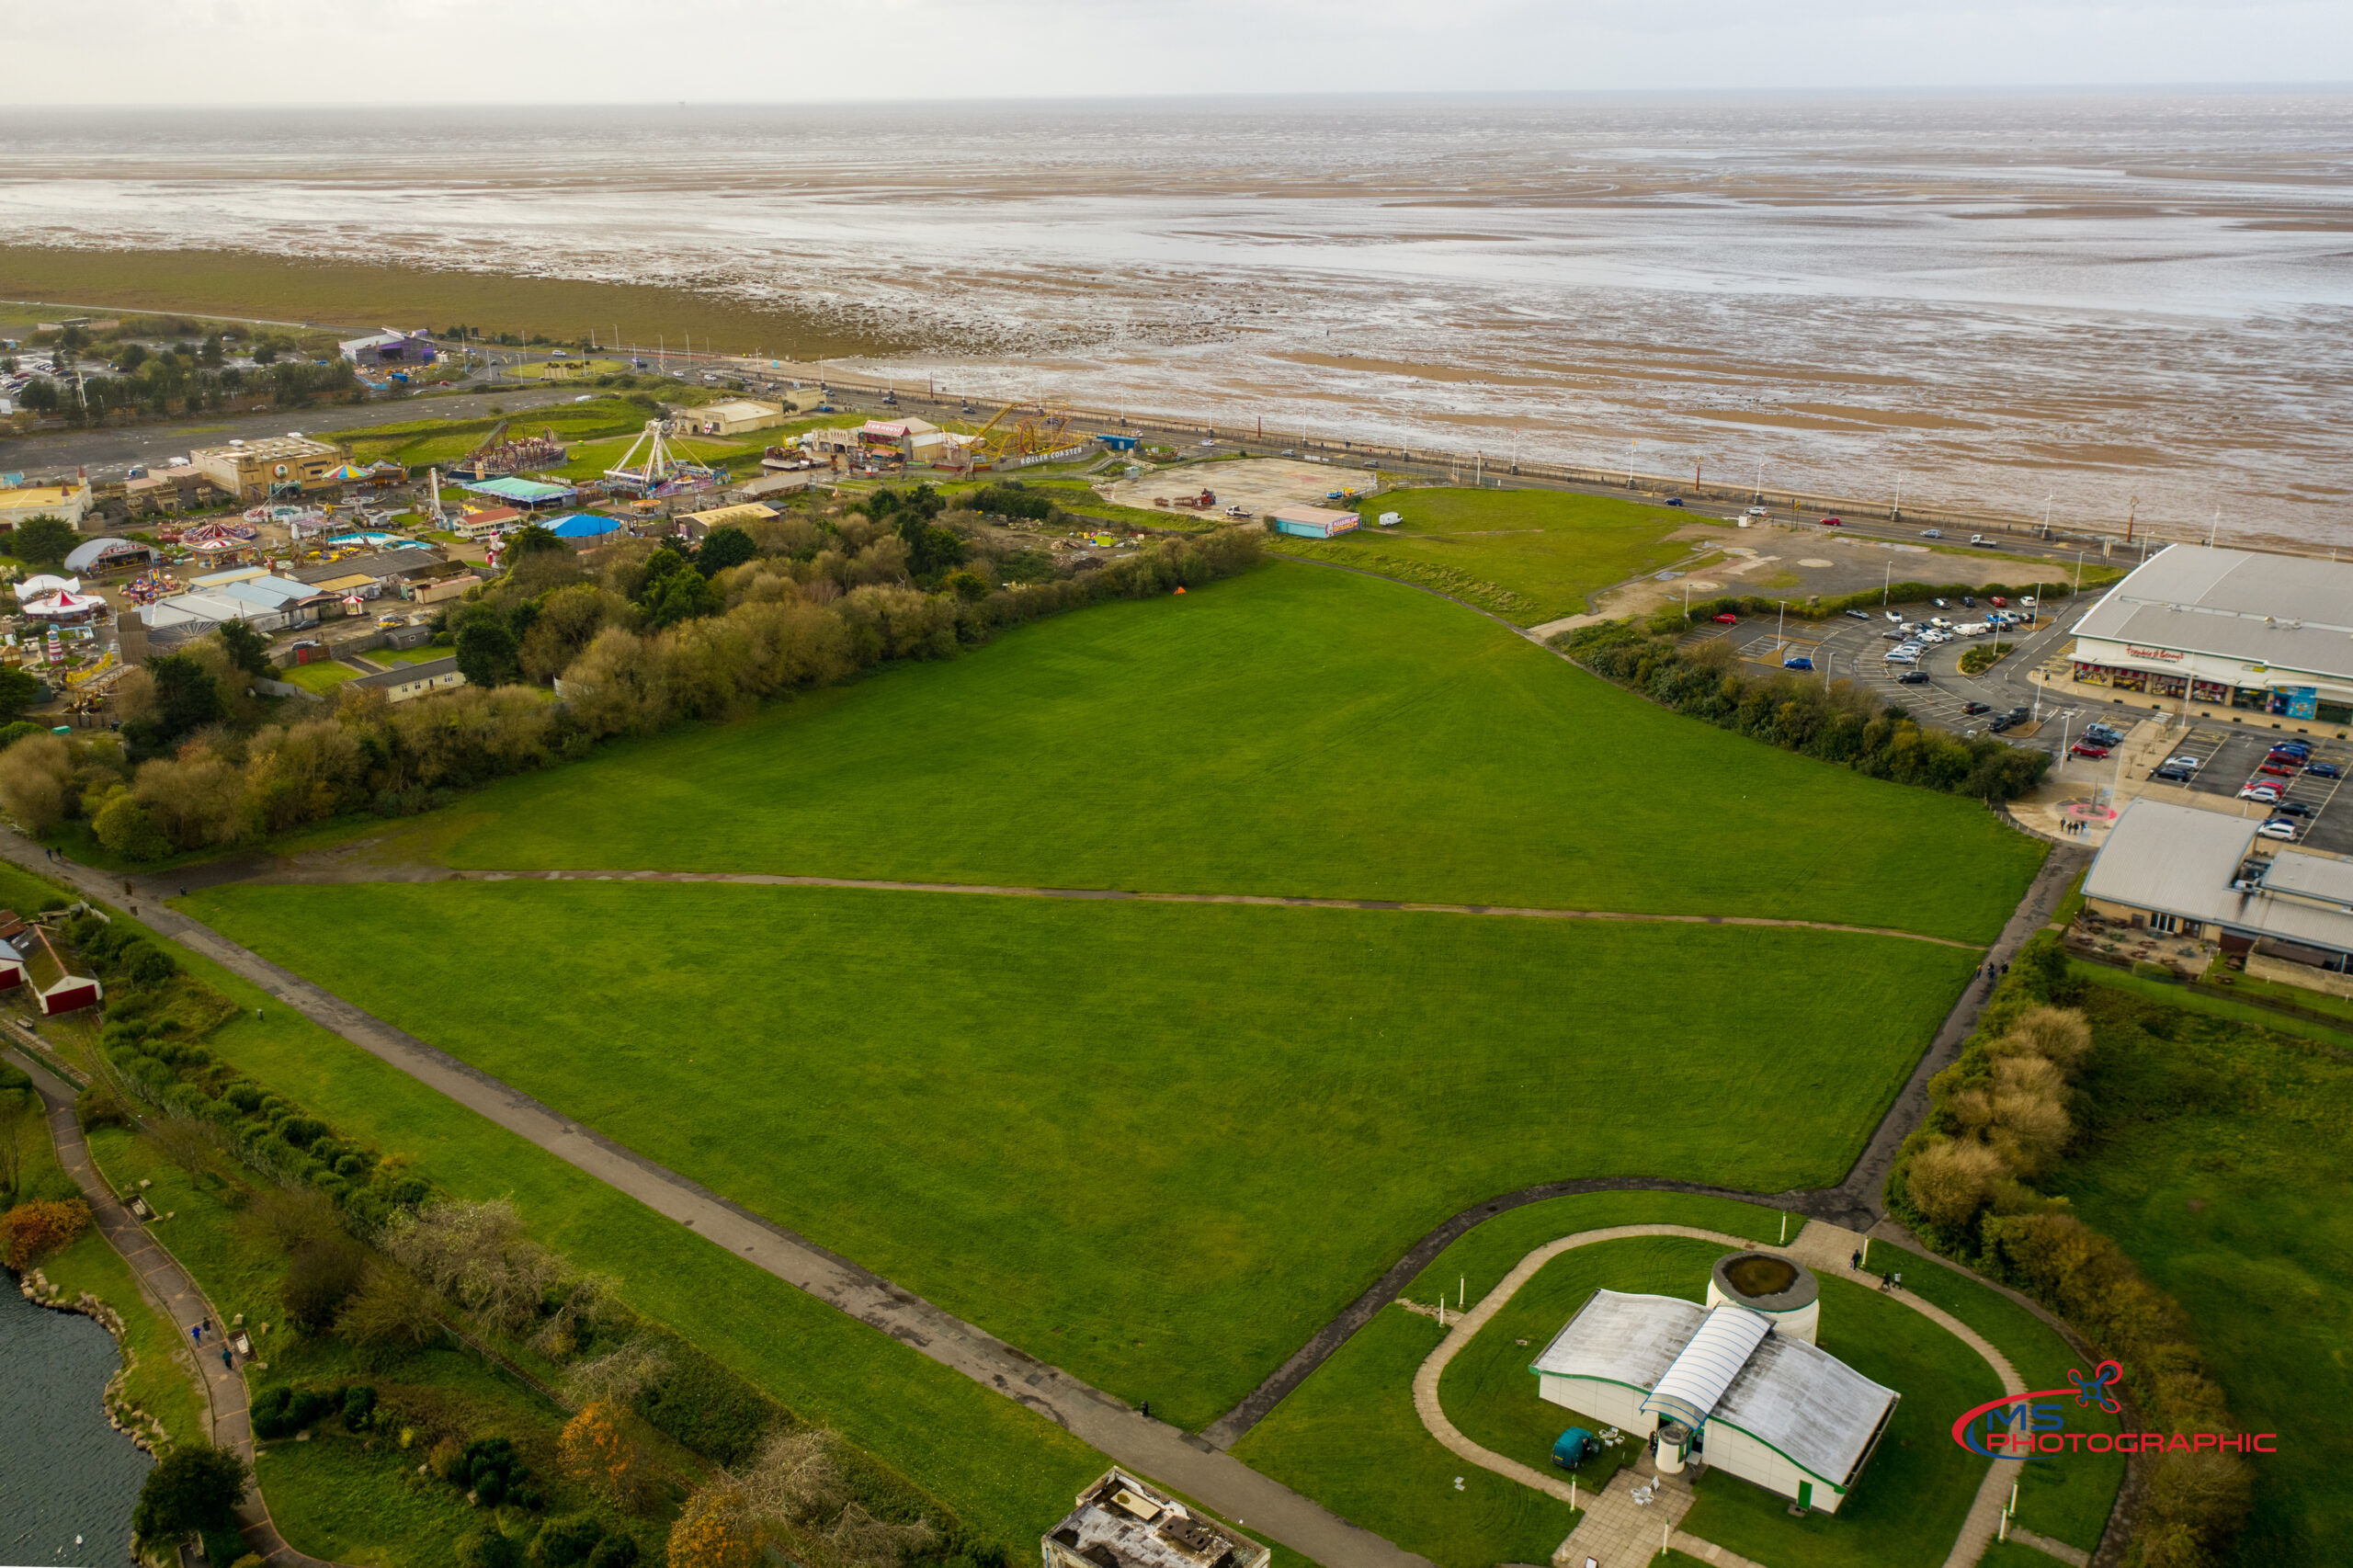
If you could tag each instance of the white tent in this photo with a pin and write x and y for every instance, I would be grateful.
(63, 604)
(35, 587)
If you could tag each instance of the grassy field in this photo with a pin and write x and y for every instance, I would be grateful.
(1007, 1471)
(360, 297)
(1912, 1498)
(1292, 731)
(322, 677)
(422, 441)
(1023, 1107)
(1348, 1436)
(2221, 1157)
(423, 653)
(1527, 556)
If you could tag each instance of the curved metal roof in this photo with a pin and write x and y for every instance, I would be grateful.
(1689, 1390)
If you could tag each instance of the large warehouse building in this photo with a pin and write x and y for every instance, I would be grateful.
(2230, 632)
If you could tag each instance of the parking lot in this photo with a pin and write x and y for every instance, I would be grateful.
(1843, 648)
(2230, 757)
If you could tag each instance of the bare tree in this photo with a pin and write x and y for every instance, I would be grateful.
(478, 1255)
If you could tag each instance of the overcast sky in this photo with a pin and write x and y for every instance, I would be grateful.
(384, 52)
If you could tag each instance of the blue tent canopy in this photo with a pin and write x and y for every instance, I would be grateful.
(584, 525)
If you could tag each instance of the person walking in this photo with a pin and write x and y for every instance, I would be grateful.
(1856, 1262)
(225, 1365)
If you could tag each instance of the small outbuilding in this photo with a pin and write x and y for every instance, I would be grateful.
(402, 682)
(1311, 522)
(738, 416)
(41, 969)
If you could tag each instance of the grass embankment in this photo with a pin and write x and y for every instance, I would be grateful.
(361, 295)
(2221, 1158)
(160, 1381)
(935, 1093)
(1349, 1437)
(1293, 732)
(1911, 1500)
(1009, 1473)
(1527, 556)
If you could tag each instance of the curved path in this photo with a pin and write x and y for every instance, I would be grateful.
(1825, 1248)
(339, 874)
(169, 1287)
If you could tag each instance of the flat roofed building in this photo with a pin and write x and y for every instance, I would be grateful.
(249, 470)
(2234, 629)
(1719, 1384)
(1311, 522)
(22, 504)
(695, 525)
(2199, 873)
(738, 416)
(390, 347)
(1121, 1523)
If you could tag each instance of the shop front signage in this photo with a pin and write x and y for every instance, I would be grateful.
(2152, 653)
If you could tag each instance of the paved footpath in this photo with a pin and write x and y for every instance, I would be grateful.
(167, 1285)
(1152, 1447)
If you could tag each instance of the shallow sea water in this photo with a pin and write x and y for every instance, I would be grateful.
(2106, 303)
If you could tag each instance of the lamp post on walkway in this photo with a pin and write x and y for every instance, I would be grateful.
(1781, 640)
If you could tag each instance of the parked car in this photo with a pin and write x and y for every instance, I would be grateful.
(2292, 809)
(2284, 769)
(2104, 732)
(1941, 605)
(1912, 677)
(2291, 749)
(1675, 500)
(2278, 827)
(1903, 656)
(2191, 763)
(1969, 601)
(2324, 770)
(1725, 617)
(1976, 708)
(1797, 662)
(2022, 714)
(1999, 602)
(2171, 775)
(2002, 723)
(1893, 616)
(1932, 533)
(1858, 614)
(2259, 792)
(1831, 523)
(2093, 751)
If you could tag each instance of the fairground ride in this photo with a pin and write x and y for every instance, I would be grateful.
(659, 471)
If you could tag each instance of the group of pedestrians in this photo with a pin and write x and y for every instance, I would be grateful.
(2074, 827)
(1892, 1281)
(196, 1334)
(1991, 972)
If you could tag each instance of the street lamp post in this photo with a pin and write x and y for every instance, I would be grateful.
(1897, 516)
(1780, 627)
(1886, 583)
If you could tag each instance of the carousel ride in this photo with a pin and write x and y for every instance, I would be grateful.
(650, 469)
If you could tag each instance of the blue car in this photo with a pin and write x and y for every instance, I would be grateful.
(1800, 663)
(2324, 770)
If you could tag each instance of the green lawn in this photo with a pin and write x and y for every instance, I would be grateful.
(1024, 1109)
(423, 654)
(2221, 1157)
(1527, 556)
(1292, 731)
(320, 678)
(1009, 1473)
(1348, 1436)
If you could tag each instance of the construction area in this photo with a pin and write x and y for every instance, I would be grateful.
(1256, 486)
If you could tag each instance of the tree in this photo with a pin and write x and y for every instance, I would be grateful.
(489, 1548)
(44, 540)
(486, 654)
(324, 1275)
(391, 1308)
(196, 1488)
(722, 547)
(531, 538)
(187, 698)
(929, 548)
(601, 1453)
(714, 1530)
(249, 650)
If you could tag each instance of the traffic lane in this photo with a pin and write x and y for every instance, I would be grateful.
(105, 452)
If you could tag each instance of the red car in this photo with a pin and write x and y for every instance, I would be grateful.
(1999, 602)
(2082, 748)
(1729, 619)
(2285, 770)
(1831, 523)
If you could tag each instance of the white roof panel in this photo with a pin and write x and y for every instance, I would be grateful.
(1806, 1403)
(1621, 1338)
